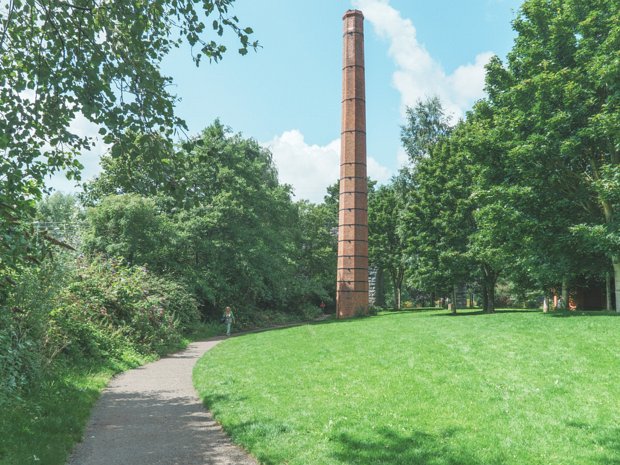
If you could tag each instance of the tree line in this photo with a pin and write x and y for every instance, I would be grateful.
(157, 243)
(526, 188)
(213, 215)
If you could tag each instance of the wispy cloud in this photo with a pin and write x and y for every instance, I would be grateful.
(417, 74)
(310, 169)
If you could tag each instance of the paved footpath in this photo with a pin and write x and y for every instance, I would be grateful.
(152, 416)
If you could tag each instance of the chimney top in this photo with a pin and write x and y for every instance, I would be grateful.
(353, 13)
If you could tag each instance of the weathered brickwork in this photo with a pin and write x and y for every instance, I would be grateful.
(352, 274)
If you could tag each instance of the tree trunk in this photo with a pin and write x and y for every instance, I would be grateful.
(380, 289)
(608, 290)
(485, 297)
(433, 300)
(565, 293)
(608, 211)
(397, 276)
(396, 293)
(490, 278)
(616, 262)
(454, 289)
(491, 298)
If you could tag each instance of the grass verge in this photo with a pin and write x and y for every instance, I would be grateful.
(43, 426)
(425, 388)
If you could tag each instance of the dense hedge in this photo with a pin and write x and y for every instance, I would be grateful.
(70, 309)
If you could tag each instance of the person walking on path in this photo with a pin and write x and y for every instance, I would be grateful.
(229, 319)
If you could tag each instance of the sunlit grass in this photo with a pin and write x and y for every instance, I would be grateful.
(423, 388)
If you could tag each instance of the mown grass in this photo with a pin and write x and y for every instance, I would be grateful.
(423, 388)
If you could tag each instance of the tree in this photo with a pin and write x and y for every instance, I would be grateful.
(95, 59)
(438, 220)
(559, 94)
(385, 244)
(316, 253)
(426, 125)
(59, 208)
(230, 228)
(437, 216)
(134, 228)
(455, 227)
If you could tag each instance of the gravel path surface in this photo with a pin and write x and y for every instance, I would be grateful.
(152, 416)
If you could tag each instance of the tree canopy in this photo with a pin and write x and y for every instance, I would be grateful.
(92, 59)
(524, 188)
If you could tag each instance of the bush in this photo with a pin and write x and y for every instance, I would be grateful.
(310, 312)
(111, 304)
(19, 363)
(102, 310)
(250, 318)
(25, 346)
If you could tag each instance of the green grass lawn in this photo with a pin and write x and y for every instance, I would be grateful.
(516, 388)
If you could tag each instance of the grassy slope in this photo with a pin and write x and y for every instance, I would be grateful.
(425, 388)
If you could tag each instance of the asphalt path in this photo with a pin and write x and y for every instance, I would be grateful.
(152, 416)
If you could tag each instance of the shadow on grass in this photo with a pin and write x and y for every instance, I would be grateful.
(388, 447)
(383, 314)
(610, 442)
(44, 425)
(581, 313)
(406, 311)
(434, 312)
(605, 443)
(389, 311)
(467, 312)
(326, 321)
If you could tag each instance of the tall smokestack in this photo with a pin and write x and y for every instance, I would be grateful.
(352, 274)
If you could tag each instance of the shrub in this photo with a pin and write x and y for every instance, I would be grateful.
(25, 348)
(310, 312)
(19, 363)
(100, 310)
(109, 302)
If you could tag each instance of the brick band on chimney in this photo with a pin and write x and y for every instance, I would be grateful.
(352, 270)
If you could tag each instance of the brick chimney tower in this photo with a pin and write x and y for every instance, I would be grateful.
(352, 273)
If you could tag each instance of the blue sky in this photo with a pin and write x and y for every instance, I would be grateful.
(287, 94)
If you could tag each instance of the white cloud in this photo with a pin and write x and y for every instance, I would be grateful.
(402, 159)
(418, 75)
(377, 172)
(467, 81)
(311, 168)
